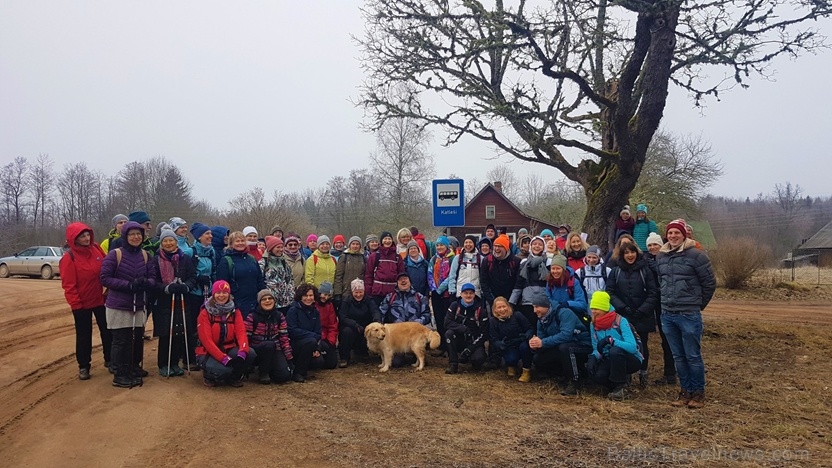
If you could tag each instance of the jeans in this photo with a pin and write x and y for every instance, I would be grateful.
(615, 367)
(684, 335)
(83, 335)
(566, 360)
(302, 351)
(513, 355)
(272, 362)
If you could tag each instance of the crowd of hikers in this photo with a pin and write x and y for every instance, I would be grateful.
(237, 305)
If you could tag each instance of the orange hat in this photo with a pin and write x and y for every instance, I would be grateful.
(503, 241)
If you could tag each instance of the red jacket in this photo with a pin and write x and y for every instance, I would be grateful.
(208, 329)
(81, 270)
(329, 322)
(423, 246)
(255, 252)
(382, 269)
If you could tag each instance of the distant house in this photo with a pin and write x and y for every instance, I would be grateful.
(490, 206)
(703, 233)
(820, 245)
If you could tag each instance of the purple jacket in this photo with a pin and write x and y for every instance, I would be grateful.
(116, 277)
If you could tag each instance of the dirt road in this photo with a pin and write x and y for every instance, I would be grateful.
(352, 417)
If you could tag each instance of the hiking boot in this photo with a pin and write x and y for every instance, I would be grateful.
(137, 382)
(697, 400)
(342, 364)
(571, 389)
(666, 380)
(194, 368)
(208, 382)
(166, 371)
(122, 381)
(682, 399)
(617, 393)
(83, 374)
(453, 368)
(526, 376)
(642, 379)
(109, 366)
(511, 371)
(299, 378)
(236, 383)
(139, 372)
(177, 371)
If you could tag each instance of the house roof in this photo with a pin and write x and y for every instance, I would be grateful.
(511, 203)
(821, 240)
(703, 233)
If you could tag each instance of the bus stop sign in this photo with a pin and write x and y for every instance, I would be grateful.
(448, 203)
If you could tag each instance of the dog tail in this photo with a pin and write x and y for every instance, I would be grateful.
(435, 340)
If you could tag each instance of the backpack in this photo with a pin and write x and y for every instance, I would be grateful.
(490, 260)
(232, 271)
(617, 326)
(477, 314)
(603, 274)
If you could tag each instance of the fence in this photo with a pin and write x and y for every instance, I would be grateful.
(810, 269)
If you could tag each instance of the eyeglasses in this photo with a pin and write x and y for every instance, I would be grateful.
(135, 234)
(267, 298)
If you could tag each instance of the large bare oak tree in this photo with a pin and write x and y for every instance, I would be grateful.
(578, 85)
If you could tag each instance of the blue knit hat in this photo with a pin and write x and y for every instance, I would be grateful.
(198, 229)
(443, 240)
(641, 207)
(140, 217)
(547, 232)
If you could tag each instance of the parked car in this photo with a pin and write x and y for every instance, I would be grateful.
(35, 261)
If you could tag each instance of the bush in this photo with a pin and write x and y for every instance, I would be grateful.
(737, 262)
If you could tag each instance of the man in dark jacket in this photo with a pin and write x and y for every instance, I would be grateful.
(687, 285)
(562, 343)
(404, 304)
(498, 273)
(466, 330)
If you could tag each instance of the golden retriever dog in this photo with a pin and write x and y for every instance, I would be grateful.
(406, 337)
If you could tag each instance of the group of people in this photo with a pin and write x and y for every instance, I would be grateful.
(232, 304)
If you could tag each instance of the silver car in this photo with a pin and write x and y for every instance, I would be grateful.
(35, 261)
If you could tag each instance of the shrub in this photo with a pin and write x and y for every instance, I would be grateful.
(736, 263)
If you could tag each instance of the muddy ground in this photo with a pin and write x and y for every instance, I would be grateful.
(768, 387)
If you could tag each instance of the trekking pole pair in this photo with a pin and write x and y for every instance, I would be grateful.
(185, 330)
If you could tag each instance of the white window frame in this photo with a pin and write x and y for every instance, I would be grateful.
(493, 211)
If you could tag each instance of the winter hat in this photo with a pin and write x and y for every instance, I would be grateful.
(326, 288)
(541, 239)
(354, 239)
(485, 240)
(472, 239)
(678, 224)
(413, 243)
(176, 223)
(468, 287)
(503, 241)
(454, 242)
(654, 238)
(140, 217)
(311, 238)
(558, 260)
(339, 238)
(443, 240)
(641, 207)
(491, 226)
(540, 300)
(198, 229)
(600, 301)
(594, 250)
(291, 237)
(276, 229)
(522, 231)
(403, 273)
(131, 225)
(547, 232)
(524, 238)
(385, 234)
(220, 286)
(370, 238)
(118, 218)
(626, 209)
(357, 285)
(166, 233)
(249, 230)
(272, 242)
(323, 238)
(263, 293)
(161, 227)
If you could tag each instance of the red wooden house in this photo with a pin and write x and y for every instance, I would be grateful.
(490, 206)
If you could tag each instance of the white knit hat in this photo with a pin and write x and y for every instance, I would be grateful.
(249, 230)
(654, 238)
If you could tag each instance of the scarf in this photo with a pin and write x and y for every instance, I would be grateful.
(576, 255)
(293, 257)
(442, 268)
(606, 321)
(558, 283)
(532, 263)
(218, 310)
(168, 263)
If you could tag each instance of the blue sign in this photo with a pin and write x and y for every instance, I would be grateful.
(448, 203)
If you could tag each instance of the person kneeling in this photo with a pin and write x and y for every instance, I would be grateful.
(269, 338)
(304, 321)
(509, 336)
(616, 352)
(466, 328)
(223, 350)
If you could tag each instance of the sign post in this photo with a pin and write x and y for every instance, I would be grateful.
(448, 203)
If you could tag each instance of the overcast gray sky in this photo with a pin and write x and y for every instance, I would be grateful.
(245, 94)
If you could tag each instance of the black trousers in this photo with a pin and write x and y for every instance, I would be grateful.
(177, 350)
(667, 354)
(567, 359)
(456, 343)
(528, 311)
(645, 349)
(440, 310)
(614, 369)
(302, 351)
(349, 340)
(192, 306)
(128, 347)
(272, 362)
(83, 335)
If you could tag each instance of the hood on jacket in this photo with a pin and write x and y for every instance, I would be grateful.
(686, 244)
(73, 230)
(218, 233)
(131, 225)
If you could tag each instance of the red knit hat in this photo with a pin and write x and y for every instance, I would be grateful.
(339, 238)
(220, 286)
(678, 224)
(272, 242)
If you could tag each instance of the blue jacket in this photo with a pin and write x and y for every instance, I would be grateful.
(560, 326)
(405, 306)
(218, 240)
(622, 336)
(304, 322)
(418, 272)
(572, 293)
(642, 229)
(206, 265)
(184, 246)
(246, 279)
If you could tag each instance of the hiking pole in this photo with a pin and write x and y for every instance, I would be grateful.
(170, 330)
(133, 338)
(185, 329)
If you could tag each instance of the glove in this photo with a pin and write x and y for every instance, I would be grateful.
(242, 354)
(226, 360)
(176, 288)
(238, 364)
(603, 344)
(138, 285)
(563, 305)
(465, 354)
(203, 280)
(591, 365)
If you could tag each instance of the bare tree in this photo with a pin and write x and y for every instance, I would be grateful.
(79, 189)
(789, 198)
(42, 186)
(252, 208)
(570, 75)
(15, 184)
(534, 189)
(503, 174)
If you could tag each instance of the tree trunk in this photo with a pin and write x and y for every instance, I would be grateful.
(607, 191)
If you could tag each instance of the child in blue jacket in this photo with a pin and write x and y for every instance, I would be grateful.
(616, 352)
